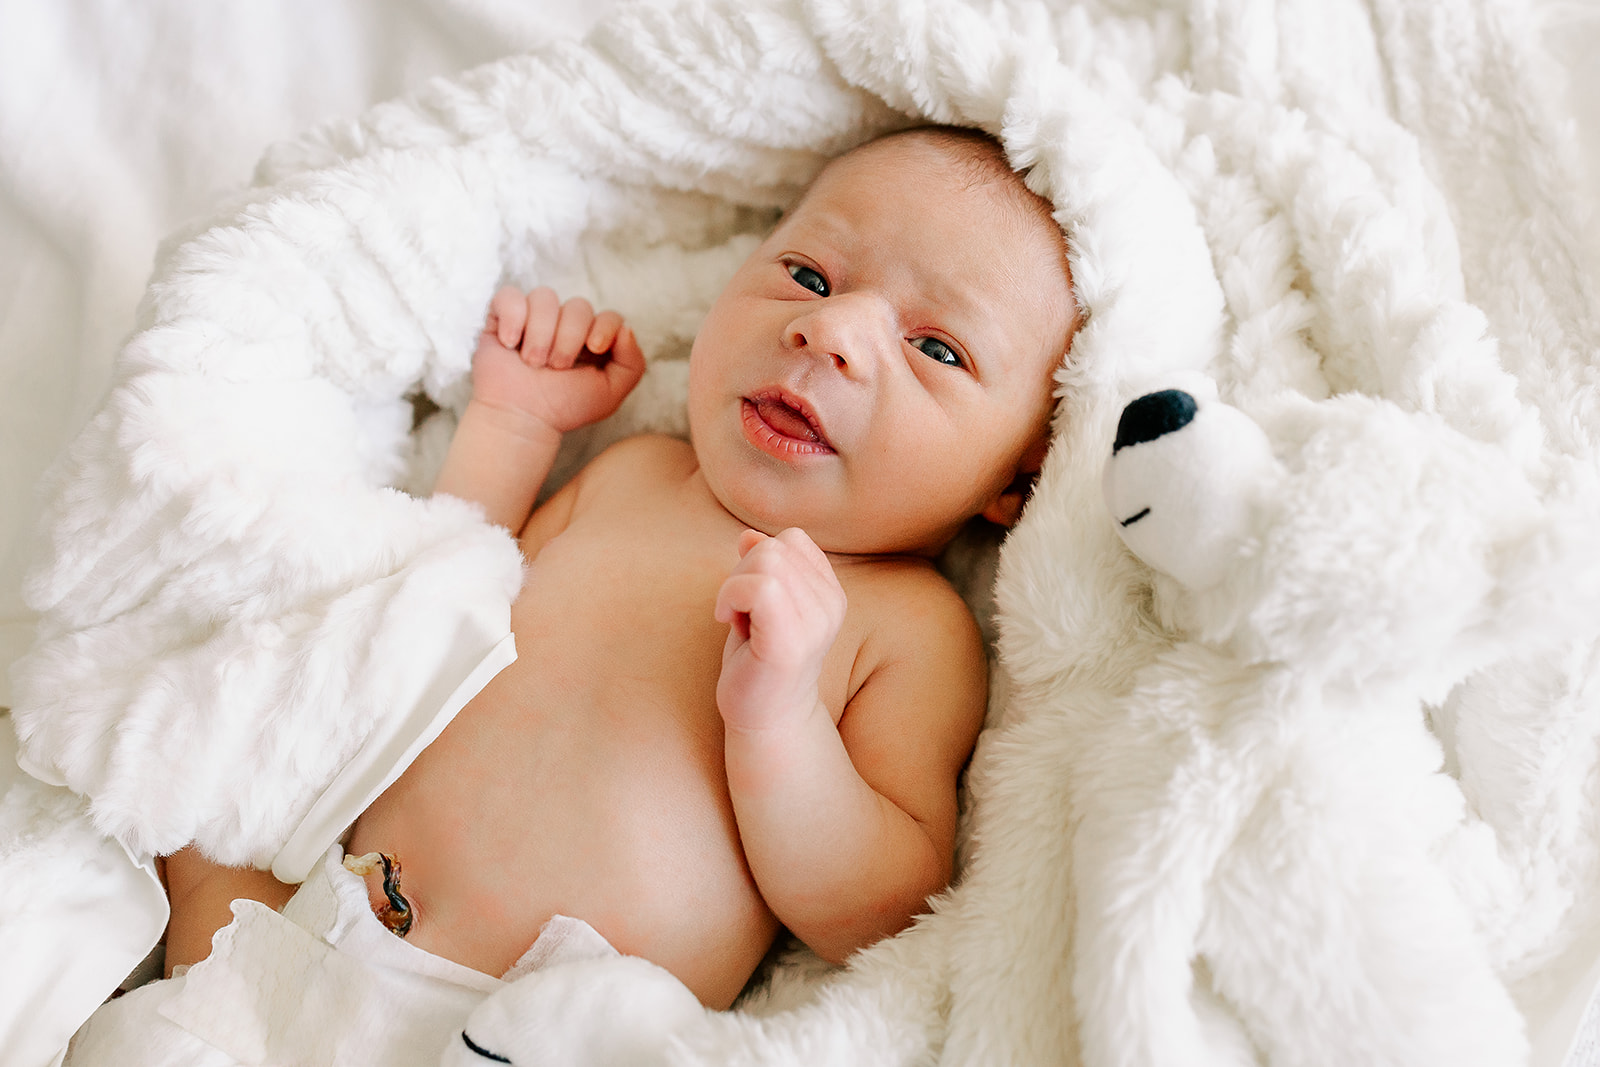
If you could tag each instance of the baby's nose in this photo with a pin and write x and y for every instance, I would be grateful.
(853, 331)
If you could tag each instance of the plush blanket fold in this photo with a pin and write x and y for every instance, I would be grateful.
(1341, 809)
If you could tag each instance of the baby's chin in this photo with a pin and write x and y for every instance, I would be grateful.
(766, 519)
(839, 530)
(837, 535)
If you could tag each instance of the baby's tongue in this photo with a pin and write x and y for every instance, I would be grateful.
(786, 420)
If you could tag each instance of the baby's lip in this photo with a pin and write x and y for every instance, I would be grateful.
(790, 415)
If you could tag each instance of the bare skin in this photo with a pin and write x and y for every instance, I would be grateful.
(743, 696)
(639, 759)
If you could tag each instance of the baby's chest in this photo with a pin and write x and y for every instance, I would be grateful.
(624, 619)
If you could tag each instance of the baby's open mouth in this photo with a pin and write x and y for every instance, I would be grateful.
(786, 420)
(782, 423)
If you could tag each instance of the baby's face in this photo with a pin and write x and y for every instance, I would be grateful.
(876, 371)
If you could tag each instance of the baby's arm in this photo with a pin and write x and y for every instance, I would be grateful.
(849, 829)
(541, 368)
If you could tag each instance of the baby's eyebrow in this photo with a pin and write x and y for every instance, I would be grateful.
(957, 307)
(830, 228)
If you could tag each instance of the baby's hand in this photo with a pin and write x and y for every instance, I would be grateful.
(559, 363)
(784, 607)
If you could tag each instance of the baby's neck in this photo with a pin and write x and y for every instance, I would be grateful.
(697, 483)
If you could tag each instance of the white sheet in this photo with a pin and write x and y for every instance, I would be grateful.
(86, 909)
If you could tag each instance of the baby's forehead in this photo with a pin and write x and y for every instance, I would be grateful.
(925, 181)
(967, 166)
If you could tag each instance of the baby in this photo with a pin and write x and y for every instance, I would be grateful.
(743, 695)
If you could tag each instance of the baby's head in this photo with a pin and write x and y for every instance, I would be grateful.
(879, 371)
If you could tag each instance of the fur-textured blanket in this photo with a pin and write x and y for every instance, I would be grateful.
(1342, 811)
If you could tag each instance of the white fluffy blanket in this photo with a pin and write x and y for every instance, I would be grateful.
(114, 129)
(1343, 812)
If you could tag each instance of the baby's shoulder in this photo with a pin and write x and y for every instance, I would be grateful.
(921, 673)
(905, 577)
(908, 611)
(641, 459)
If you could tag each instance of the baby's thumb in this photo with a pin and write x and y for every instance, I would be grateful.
(625, 366)
(748, 540)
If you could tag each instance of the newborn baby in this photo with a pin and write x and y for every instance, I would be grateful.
(743, 695)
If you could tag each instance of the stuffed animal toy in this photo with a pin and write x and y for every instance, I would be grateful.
(1204, 482)
(1329, 580)
(608, 1011)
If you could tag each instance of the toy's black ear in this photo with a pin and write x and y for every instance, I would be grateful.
(1154, 415)
(1005, 509)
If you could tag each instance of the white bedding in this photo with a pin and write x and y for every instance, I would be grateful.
(117, 123)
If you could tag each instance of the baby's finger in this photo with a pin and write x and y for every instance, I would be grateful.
(544, 311)
(577, 315)
(807, 553)
(626, 365)
(738, 634)
(748, 540)
(740, 595)
(603, 334)
(508, 313)
(814, 571)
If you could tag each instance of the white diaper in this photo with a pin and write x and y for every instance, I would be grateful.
(321, 983)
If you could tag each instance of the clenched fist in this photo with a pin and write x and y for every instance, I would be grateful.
(783, 606)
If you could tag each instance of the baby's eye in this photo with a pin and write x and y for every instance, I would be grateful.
(809, 278)
(936, 349)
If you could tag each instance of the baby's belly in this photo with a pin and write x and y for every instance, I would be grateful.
(613, 810)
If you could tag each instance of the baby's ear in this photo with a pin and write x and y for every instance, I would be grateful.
(1005, 509)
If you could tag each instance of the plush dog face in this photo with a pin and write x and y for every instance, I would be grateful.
(1183, 475)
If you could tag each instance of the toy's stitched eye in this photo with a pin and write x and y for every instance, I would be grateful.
(937, 350)
(809, 278)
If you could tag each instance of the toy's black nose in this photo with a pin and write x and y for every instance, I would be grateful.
(1153, 415)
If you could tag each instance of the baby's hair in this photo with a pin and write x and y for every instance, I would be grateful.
(981, 156)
